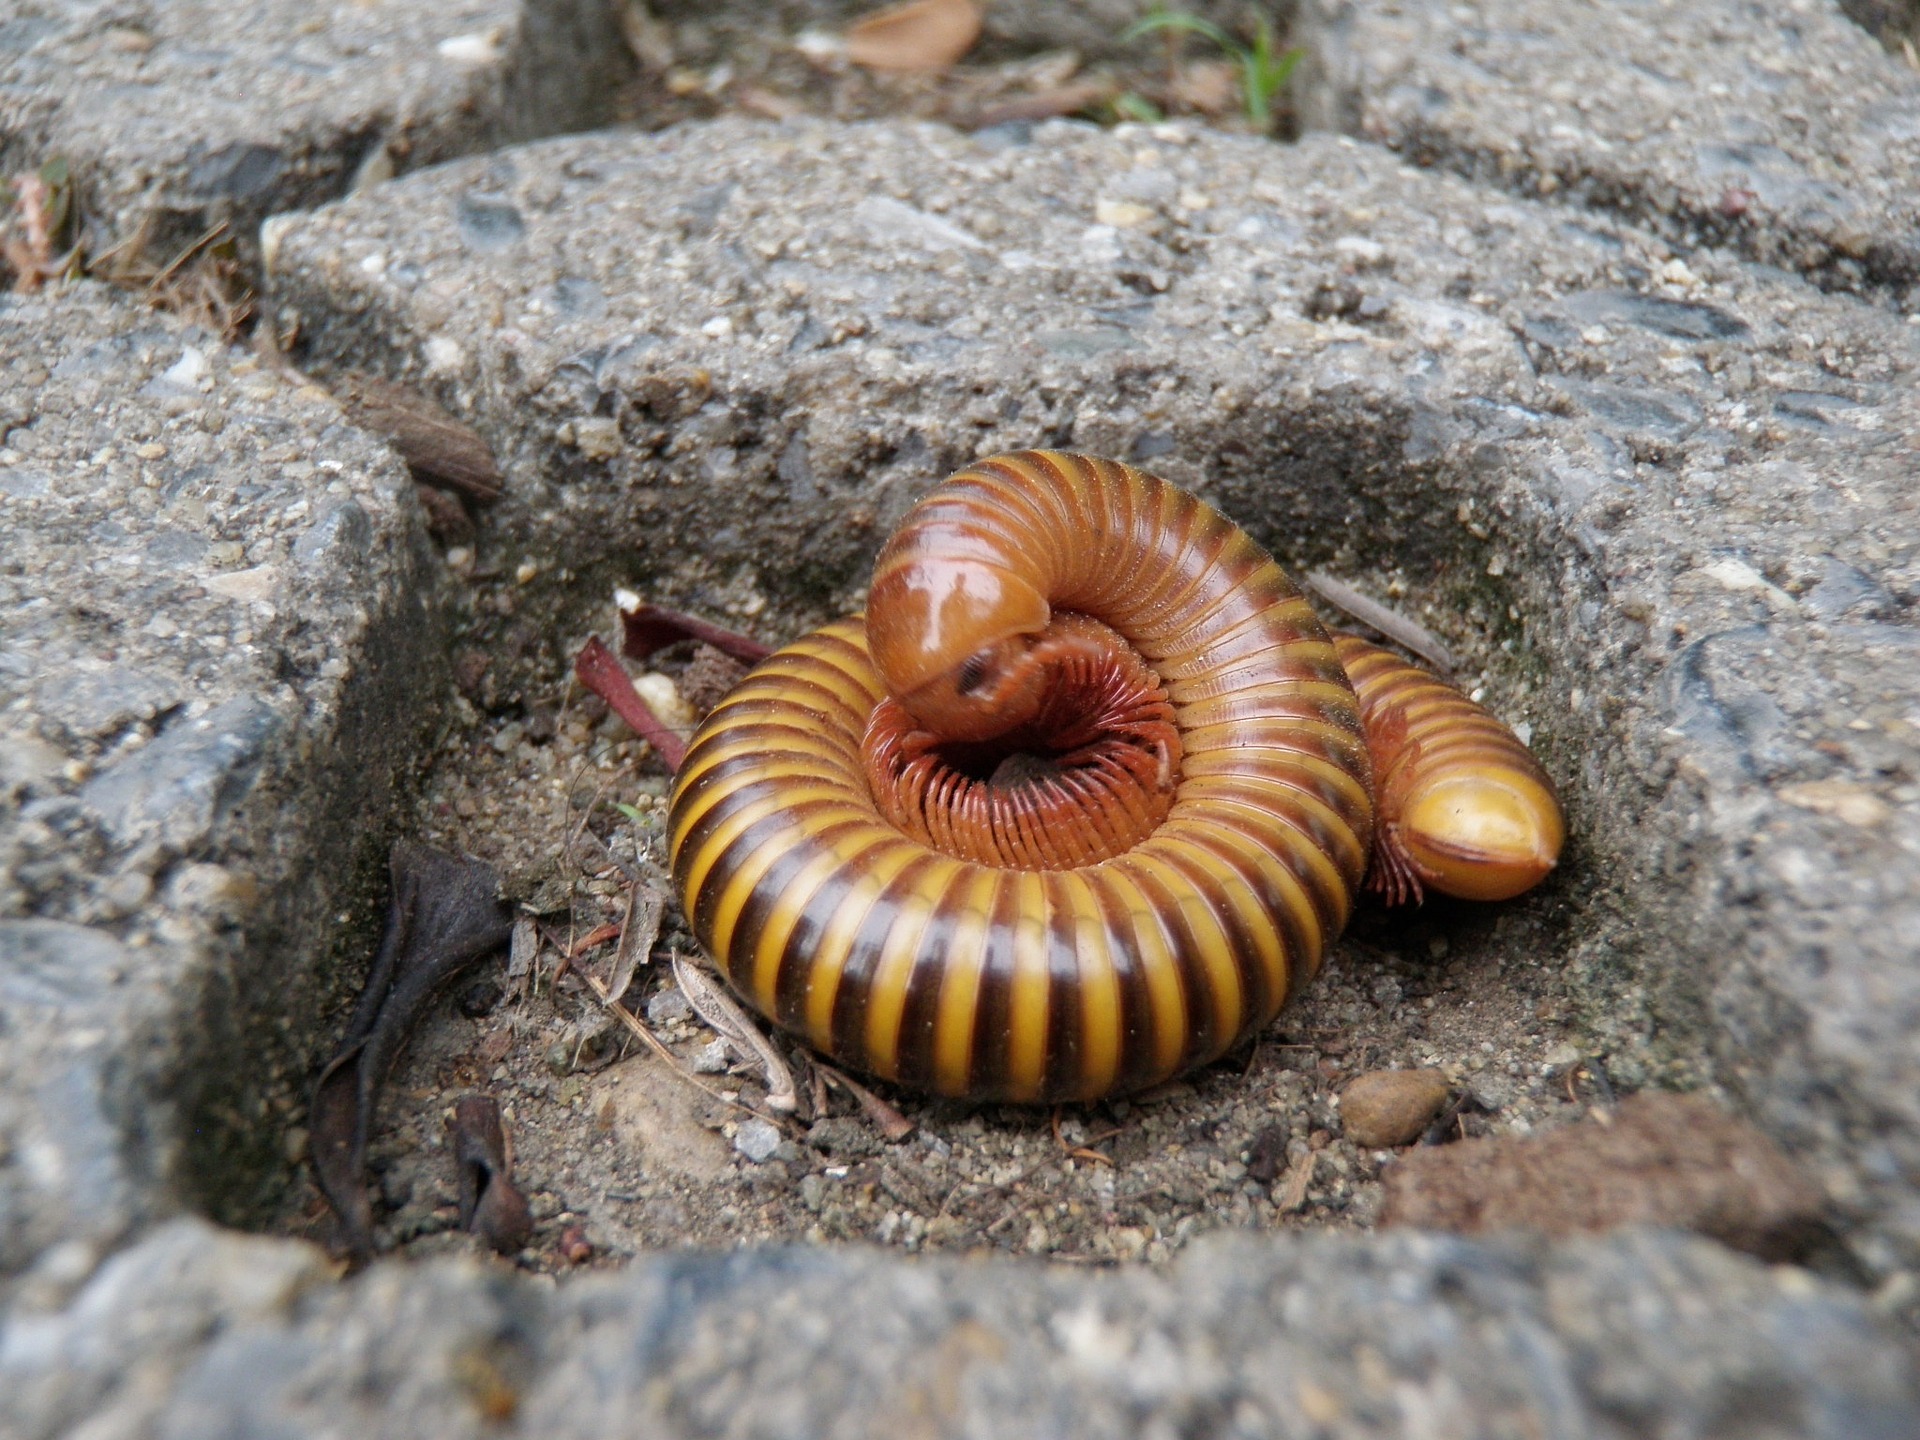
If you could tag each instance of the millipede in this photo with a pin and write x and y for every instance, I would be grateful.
(1081, 800)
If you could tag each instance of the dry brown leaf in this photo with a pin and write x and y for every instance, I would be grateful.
(1293, 1185)
(439, 449)
(716, 1007)
(638, 931)
(920, 35)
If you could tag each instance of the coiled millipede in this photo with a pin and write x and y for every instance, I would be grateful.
(1078, 804)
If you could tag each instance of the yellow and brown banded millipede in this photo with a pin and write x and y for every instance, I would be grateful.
(1460, 804)
(1076, 806)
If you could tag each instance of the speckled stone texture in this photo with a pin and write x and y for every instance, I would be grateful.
(220, 649)
(193, 1333)
(1780, 129)
(1675, 491)
(181, 114)
(1659, 493)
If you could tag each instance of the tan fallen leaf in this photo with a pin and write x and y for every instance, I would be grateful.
(1293, 1185)
(920, 35)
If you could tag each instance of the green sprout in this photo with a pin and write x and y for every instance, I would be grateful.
(1264, 68)
(1130, 105)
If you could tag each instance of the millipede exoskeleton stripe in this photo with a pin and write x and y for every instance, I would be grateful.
(1065, 908)
(1461, 805)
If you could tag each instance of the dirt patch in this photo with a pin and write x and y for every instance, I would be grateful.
(640, 1153)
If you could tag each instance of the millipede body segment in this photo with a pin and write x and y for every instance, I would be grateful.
(1461, 805)
(1077, 805)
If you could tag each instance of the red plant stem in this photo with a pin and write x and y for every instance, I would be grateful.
(601, 672)
(647, 628)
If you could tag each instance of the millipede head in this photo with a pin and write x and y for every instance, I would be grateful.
(1482, 835)
(950, 637)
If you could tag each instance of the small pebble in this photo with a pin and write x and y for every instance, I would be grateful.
(1561, 1058)
(479, 999)
(1384, 1108)
(666, 1006)
(757, 1140)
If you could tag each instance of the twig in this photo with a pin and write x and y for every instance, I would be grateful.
(653, 1042)
(1081, 1152)
(646, 628)
(601, 673)
(895, 1126)
(1390, 623)
(173, 266)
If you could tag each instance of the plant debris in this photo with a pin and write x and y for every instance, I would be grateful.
(444, 915)
(37, 226)
(490, 1205)
(639, 928)
(441, 451)
(717, 1008)
(600, 671)
(1407, 633)
(920, 35)
(645, 629)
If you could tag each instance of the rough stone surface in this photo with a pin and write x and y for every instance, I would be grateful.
(1779, 129)
(1673, 492)
(1660, 494)
(216, 618)
(193, 1333)
(1658, 1160)
(182, 114)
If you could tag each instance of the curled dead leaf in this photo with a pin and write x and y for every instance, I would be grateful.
(920, 35)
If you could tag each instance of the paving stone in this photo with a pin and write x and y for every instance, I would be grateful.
(182, 114)
(1781, 130)
(1659, 496)
(1626, 465)
(195, 1333)
(200, 555)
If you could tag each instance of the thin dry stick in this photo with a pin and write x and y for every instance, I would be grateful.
(653, 1042)
(892, 1123)
(172, 267)
(1390, 623)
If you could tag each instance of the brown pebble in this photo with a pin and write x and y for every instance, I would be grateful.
(1675, 1160)
(1384, 1108)
(575, 1248)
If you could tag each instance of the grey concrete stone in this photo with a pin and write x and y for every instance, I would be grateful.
(179, 115)
(1780, 129)
(1660, 497)
(218, 646)
(1608, 470)
(193, 1333)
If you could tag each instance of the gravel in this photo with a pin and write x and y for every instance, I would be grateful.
(1647, 473)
